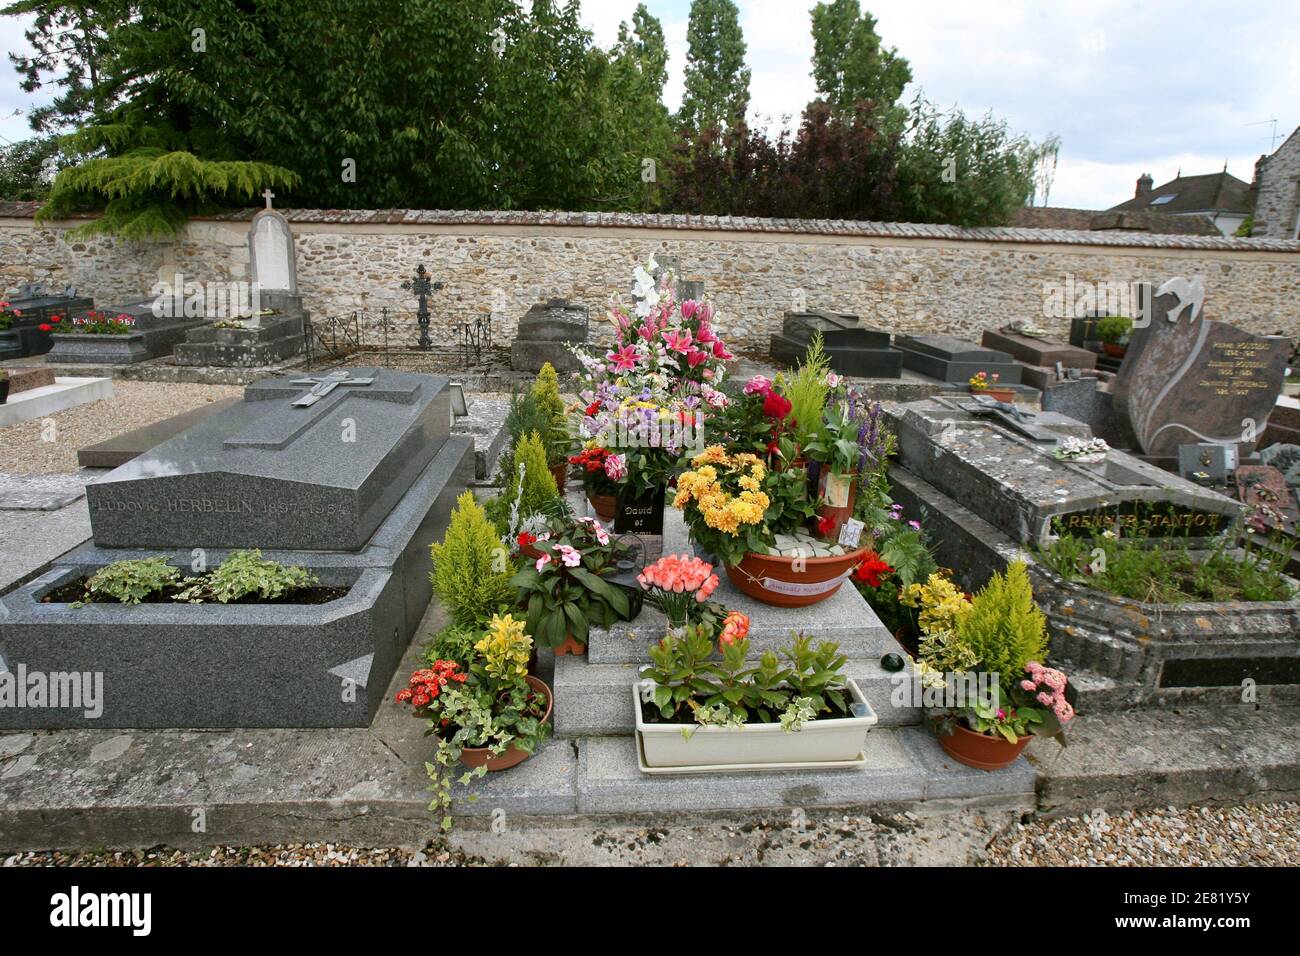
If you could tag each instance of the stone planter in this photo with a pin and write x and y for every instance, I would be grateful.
(981, 751)
(512, 756)
(792, 582)
(837, 742)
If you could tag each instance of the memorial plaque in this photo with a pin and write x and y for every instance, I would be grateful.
(1187, 380)
(1151, 519)
(641, 516)
(273, 474)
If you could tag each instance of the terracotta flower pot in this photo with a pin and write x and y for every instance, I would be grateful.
(605, 505)
(560, 473)
(839, 493)
(774, 580)
(997, 394)
(571, 645)
(982, 751)
(1114, 350)
(512, 755)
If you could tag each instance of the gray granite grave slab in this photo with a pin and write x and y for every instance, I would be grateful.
(851, 348)
(1036, 351)
(120, 449)
(40, 492)
(950, 359)
(268, 474)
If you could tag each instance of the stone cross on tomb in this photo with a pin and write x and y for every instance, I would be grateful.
(268, 196)
(320, 387)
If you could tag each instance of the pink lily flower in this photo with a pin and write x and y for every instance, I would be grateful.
(689, 308)
(720, 351)
(695, 357)
(624, 360)
(705, 334)
(678, 341)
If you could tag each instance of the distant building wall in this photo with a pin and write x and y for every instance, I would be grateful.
(1277, 207)
(904, 278)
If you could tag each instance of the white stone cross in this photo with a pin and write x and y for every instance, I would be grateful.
(268, 196)
(320, 387)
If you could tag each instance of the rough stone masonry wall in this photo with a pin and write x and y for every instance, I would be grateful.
(903, 278)
(1278, 201)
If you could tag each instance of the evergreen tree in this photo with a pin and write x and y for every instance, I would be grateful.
(717, 80)
(638, 72)
(850, 64)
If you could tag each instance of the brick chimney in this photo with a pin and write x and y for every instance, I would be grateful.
(1145, 183)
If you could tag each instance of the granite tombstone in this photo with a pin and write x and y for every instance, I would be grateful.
(546, 333)
(1186, 379)
(950, 359)
(851, 348)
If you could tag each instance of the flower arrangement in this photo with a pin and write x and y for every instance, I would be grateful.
(1077, 449)
(647, 396)
(676, 584)
(482, 711)
(8, 314)
(100, 323)
(983, 380)
(565, 591)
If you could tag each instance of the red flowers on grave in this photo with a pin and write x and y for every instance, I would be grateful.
(871, 571)
(591, 459)
(45, 327)
(525, 539)
(427, 683)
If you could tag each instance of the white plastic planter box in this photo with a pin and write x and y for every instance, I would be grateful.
(819, 744)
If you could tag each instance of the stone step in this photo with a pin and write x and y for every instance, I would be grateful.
(904, 765)
(595, 700)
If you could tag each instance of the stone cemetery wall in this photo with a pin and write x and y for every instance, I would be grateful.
(905, 278)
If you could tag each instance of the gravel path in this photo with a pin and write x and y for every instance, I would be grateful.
(24, 452)
(1261, 835)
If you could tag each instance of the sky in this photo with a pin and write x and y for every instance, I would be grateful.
(1129, 87)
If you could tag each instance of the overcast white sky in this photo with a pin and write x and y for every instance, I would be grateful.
(1130, 87)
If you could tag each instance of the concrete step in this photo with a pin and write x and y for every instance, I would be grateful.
(904, 766)
(595, 700)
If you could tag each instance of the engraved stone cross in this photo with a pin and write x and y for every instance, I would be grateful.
(320, 387)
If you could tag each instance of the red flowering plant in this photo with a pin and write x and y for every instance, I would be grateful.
(758, 421)
(101, 323)
(599, 469)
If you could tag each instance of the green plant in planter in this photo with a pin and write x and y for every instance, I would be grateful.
(555, 436)
(524, 416)
(246, 573)
(130, 582)
(807, 389)
(564, 592)
(488, 704)
(1005, 629)
(529, 492)
(471, 570)
(1114, 329)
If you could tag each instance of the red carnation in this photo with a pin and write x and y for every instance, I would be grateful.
(45, 327)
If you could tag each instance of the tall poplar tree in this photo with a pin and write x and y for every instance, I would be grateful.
(717, 80)
(851, 64)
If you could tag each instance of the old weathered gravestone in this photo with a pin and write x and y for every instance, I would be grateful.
(546, 332)
(1037, 351)
(30, 307)
(258, 340)
(853, 349)
(1186, 379)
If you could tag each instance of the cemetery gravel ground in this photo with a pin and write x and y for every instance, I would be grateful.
(1258, 835)
(134, 405)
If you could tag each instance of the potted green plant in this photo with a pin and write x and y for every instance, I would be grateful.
(986, 653)
(529, 491)
(565, 591)
(695, 712)
(545, 393)
(1113, 331)
(471, 569)
(600, 472)
(489, 717)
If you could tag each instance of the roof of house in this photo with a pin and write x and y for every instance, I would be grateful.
(1214, 192)
(1159, 223)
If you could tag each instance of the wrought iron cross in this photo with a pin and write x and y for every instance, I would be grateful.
(320, 387)
(422, 286)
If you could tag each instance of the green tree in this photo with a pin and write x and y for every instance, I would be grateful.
(717, 80)
(470, 572)
(24, 167)
(850, 64)
(637, 74)
(965, 172)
